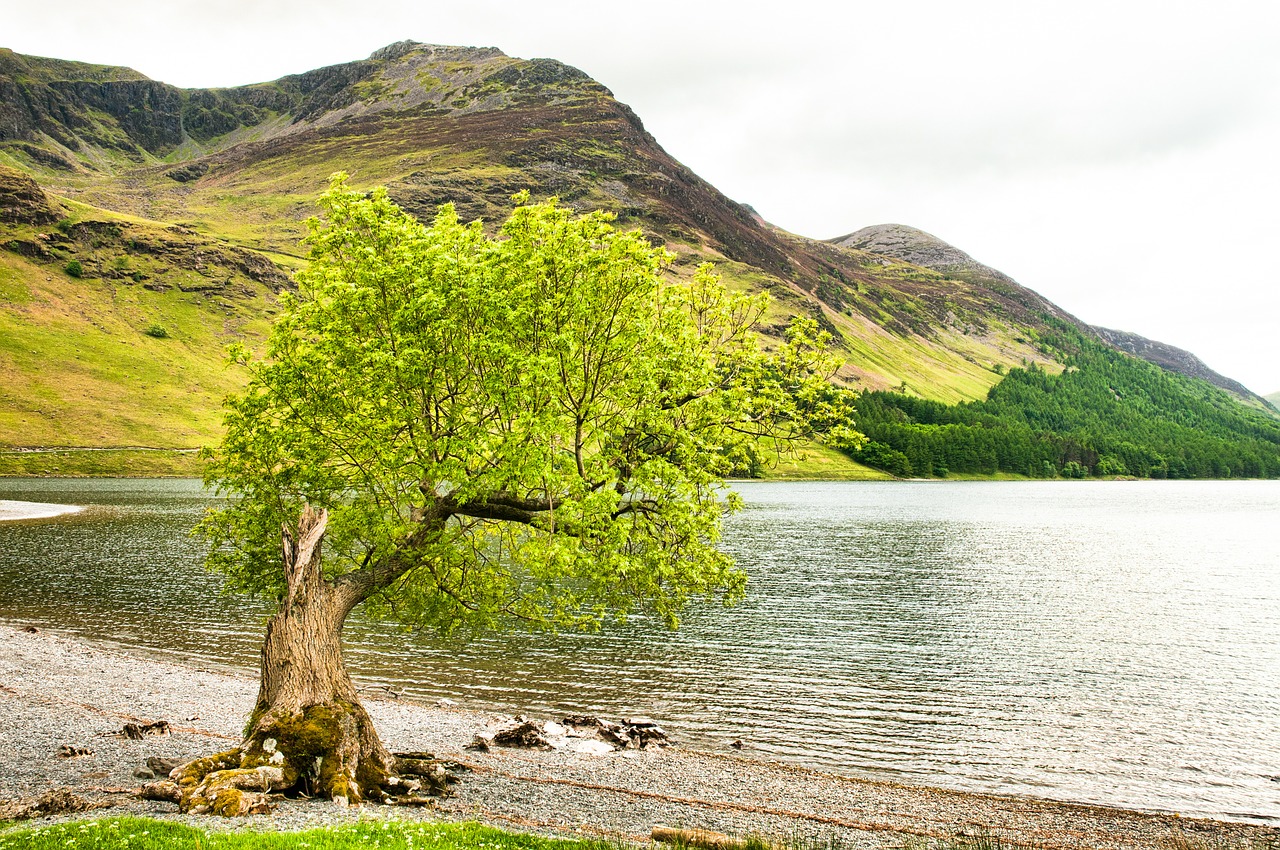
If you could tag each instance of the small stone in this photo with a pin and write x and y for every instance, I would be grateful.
(163, 766)
(737, 745)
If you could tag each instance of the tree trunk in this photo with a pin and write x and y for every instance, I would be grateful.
(308, 732)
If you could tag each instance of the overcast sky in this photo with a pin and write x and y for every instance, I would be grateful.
(1119, 158)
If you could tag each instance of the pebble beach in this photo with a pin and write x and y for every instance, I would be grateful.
(61, 692)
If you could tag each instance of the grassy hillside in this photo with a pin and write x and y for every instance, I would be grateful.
(112, 329)
(151, 237)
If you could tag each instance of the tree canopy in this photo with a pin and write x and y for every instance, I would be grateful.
(529, 428)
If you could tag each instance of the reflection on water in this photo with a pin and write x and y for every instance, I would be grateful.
(1107, 642)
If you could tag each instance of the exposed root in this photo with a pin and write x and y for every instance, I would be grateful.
(224, 784)
(324, 751)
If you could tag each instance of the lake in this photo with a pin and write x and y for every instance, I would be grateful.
(1108, 642)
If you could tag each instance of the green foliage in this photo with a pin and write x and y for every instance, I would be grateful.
(883, 457)
(156, 331)
(1108, 414)
(74, 268)
(531, 429)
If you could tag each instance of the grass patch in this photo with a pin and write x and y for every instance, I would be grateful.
(814, 462)
(107, 463)
(147, 834)
(993, 476)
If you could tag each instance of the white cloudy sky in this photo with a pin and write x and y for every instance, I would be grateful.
(1118, 157)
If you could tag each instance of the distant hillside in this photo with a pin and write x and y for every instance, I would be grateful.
(1106, 415)
(130, 207)
(925, 249)
(1173, 359)
(1273, 399)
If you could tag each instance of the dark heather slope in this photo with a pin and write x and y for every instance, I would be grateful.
(924, 249)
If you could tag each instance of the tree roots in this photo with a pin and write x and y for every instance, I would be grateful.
(317, 753)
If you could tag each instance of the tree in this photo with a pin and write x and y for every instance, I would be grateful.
(456, 430)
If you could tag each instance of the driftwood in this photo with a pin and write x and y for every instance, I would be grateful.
(526, 734)
(578, 732)
(66, 751)
(56, 802)
(697, 838)
(631, 733)
(416, 802)
(138, 731)
(429, 774)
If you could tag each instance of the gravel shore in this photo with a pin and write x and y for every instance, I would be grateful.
(57, 691)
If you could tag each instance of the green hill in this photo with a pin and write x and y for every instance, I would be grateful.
(143, 227)
(1106, 414)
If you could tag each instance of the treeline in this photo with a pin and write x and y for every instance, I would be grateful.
(1107, 414)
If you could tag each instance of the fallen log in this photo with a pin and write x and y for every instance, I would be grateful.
(697, 838)
(55, 802)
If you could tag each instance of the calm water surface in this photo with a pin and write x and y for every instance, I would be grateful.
(1106, 642)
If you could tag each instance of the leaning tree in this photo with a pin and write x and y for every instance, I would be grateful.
(459, 430)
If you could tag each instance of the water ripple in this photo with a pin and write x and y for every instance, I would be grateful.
(1100, 642)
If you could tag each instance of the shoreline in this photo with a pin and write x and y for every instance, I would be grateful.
(15, 511)
(57, 690)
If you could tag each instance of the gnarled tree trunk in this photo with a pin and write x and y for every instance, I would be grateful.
(308, 731)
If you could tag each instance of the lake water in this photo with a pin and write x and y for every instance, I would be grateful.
(1109, 642)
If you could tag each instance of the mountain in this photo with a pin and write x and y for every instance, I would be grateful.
(924, 249)
(145, 226)
(1273, 399)
(1173, 359)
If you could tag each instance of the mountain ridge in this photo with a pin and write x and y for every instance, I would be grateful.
(216, 175)
(925, 249)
